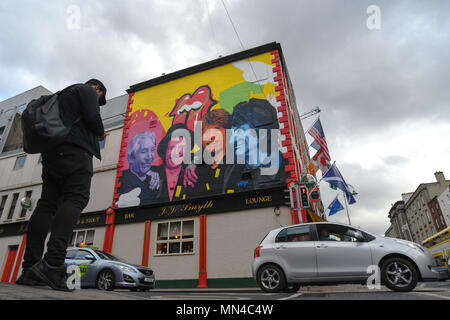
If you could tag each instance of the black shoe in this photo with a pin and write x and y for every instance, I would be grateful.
(55, 277)
(29, 279)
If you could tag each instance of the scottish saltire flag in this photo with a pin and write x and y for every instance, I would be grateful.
(334, 177)
(316, 131)
(335, 206)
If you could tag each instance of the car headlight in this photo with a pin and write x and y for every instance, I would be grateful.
(127, 269)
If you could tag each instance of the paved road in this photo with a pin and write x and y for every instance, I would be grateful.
(425, 291)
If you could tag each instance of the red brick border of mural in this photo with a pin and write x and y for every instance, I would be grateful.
(123, 150)
(281, 98)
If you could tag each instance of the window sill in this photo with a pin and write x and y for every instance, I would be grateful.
(173, 254)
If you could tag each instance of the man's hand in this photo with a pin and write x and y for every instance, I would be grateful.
(129, 199)
(101, 138)
(190, 178)
(154, 180)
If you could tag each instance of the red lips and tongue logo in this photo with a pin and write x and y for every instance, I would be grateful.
(190, 108)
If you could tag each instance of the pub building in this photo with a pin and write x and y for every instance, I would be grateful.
(143, 208)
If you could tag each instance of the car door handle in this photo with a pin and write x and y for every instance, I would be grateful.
(322, 246)
(280, 247)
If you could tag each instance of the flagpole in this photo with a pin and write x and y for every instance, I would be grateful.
(317, 183)
(346, 207)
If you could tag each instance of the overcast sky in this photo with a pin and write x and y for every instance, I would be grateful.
(384, 93)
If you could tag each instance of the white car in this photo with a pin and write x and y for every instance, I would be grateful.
(322, 252)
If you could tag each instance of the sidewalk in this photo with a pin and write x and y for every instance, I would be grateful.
(9, 291)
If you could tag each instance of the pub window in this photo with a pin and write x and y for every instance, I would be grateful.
(13, 206)
(85, 237)
(23, 213)
(175, 237)
(2, 204)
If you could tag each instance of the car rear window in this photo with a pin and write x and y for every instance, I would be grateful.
(281, 236)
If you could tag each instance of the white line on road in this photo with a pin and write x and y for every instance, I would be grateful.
(433, 295)
(291, 296)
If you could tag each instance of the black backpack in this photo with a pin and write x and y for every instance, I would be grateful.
(42, 126)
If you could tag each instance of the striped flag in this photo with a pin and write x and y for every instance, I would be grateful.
(316, 131)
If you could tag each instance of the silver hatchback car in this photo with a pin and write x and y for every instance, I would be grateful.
(106, 272)
(322, 252)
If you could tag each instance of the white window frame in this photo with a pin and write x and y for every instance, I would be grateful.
(75, 235)
(181, 240)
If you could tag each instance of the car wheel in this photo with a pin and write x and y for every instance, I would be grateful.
(271, 279)
(291, 288)
(399, 274)
(105, 280)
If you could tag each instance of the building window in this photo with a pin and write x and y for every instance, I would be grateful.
(2, 129)
(82, 238)
(102, 144)
(24, 210)
(428, 216)
(13, 206)
(175, 237)
(2, 204)
(21, 108)
(20, 162)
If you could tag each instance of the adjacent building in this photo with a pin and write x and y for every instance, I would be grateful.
(444, 203)
(399, 223)
(419, 215)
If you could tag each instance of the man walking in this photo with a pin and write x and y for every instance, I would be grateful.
(66, 175)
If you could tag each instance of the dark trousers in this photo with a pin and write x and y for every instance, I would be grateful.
(66, 175)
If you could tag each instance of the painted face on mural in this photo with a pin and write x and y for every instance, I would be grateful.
(245, 140)
(176, 150)
(143, 157)
(214, 139)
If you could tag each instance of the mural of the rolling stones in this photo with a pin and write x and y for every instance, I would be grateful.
(213, 132)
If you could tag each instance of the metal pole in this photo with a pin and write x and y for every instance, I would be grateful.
(346, 208)
(299, 207)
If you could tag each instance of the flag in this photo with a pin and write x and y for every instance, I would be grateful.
(334, 177)
(312, 168)
(335, 206)
(316, 131)
(315, 145)
(321, 161)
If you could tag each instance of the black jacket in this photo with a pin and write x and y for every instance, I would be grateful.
(81, 101)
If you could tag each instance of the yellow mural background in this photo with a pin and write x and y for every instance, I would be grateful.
(162, 98)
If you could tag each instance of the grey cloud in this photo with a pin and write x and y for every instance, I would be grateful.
(394, 160)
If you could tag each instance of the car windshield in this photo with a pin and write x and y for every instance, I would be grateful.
(108, 256)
